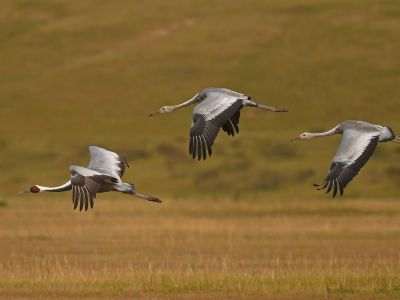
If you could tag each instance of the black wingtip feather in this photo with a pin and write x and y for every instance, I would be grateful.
(330, 186)
(190, 145)
(199, 146)
(204, 143)
(81, 199)
(194, 147)
(335, 188)
(76, 196)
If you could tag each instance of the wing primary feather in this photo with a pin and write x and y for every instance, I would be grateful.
(208, 141)
(199, 146)
(343, 171)
(92, 192)
(232, 127)
(81, 198)
(236, 127)
(90, 196)
(90, 189)
(325, 184)
(228, 128)
(86, 198)
(73, 194)
(91, 200)
(335, 184)
(341, 186)
(204, 143)
(330, 186)
(191, 145)
(194, 147)
(76, 197)
(322, 186)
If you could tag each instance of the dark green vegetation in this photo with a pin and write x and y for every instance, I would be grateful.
(76, 73)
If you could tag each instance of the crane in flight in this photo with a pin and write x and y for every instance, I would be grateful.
(359, 140)
(102, 175)
(215, 108)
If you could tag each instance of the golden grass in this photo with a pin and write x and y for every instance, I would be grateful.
(199, 248)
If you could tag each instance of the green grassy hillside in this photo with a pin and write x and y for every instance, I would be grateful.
(78, 73)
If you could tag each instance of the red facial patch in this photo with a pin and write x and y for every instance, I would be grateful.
(35, 189)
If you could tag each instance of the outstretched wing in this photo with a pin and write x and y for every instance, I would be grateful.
(208, 117)
(355, 150)
(107, 162)
(231, 127)
(85, 184)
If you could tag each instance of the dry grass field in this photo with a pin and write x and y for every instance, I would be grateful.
(245, 224)
(200, 249)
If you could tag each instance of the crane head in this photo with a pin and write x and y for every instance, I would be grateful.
(303, 136)
(163, 110)
(34, 189)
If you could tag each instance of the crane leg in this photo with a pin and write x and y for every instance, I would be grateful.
(396, 140)
(265, 107)
(148, 198)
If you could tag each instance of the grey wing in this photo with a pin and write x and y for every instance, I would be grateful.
(85, 184)
(107, 162)
(231, 127)
(354, 152)
(208, 118)
(226, 92)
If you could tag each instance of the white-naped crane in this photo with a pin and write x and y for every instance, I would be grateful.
(359, 140)
(102, 175)
(215, 108)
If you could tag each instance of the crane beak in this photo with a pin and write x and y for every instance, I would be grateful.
(295, 139)
(154, 199)
(154, 113)
(396, 140)
(24, 192)
(148, 198)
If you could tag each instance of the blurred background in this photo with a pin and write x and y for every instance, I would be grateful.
(246, 221)
(84, 73)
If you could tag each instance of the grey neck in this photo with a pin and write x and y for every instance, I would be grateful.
(327, 133)
(186, 103)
